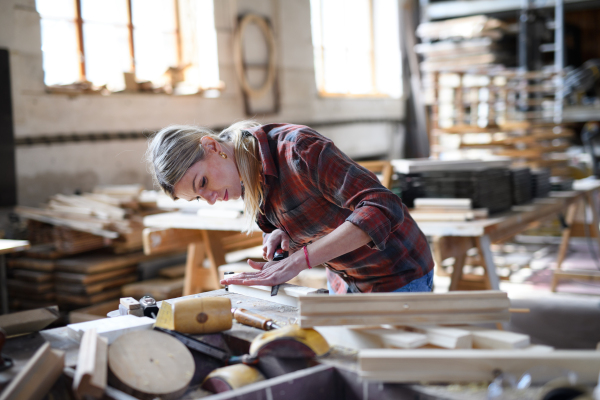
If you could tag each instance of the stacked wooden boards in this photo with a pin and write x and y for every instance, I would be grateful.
(404, 308)
(108, 216)
(465, 42)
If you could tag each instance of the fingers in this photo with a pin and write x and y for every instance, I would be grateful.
(271, 246)
(285, 242)
(237, 279)
(256, 265)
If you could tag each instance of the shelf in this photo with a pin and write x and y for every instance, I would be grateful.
(454, 9)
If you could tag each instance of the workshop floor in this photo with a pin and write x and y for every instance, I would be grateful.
(527, 267)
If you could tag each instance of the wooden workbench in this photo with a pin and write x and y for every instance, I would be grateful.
(334, 377)
(454, 239)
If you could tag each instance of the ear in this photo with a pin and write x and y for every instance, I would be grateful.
(210, 145)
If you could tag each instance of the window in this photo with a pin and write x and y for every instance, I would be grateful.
(99, 40)
(356, 47)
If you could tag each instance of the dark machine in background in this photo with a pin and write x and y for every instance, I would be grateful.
(8, 177)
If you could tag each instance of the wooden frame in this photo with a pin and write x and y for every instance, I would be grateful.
(384, 167)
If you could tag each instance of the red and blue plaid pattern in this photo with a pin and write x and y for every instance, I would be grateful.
(311, 188)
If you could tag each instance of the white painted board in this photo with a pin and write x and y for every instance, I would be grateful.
(110, 328)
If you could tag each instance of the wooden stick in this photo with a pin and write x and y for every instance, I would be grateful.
(432, 365)
(37, 376)
(28, 321)
(90, 377)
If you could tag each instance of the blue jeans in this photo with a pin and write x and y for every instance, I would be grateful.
(423, 284)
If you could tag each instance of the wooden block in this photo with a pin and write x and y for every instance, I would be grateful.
(449, 338)
(430, 365)
(346, 336)
(94, 312)
(37, 376)
(160, 289)
(196, 315)
(90, 376)
(129, 303)
(539, 347)
(495, 339)
(110, 328)
(28, 321)
(150, 364)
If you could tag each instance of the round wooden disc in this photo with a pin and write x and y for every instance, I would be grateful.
(150, 364)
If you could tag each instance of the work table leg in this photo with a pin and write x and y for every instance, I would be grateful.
(485, 251)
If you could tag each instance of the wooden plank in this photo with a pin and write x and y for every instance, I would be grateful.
(165, 240)
(160, 289)
(29, 287)
(91, 313)
(32, 264)
(398, 338)
(97, 263)
(95, 287)
(110, 328)
(403, 308)
(38, 376)
(176, 271)
(462, 204)
(495, 339)
(65, 298)
(13, 246)
(288, 294)
(87, 279)
(430, 365)
(91, 374)
(33, 276)
(446, 337)
(28, 321)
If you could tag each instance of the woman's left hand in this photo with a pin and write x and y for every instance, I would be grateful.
(269, 273)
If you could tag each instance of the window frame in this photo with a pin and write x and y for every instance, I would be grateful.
(78, 21)
(374, 94)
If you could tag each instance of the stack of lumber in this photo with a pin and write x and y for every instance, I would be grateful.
(94, 278)
(465, 42)
(405, 337)
(168, 285)
(500, 112)
(430, 209)
(108, 216)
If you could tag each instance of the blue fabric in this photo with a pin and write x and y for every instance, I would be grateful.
(422, 284)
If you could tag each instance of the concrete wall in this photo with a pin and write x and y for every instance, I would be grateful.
(47, 169)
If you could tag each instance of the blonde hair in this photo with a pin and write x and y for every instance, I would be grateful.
(174, 149)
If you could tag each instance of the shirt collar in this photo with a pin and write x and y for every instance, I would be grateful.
(265, 152)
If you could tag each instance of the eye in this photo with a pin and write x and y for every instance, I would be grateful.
(203, 182)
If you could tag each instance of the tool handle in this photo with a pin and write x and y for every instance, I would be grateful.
(248, 318)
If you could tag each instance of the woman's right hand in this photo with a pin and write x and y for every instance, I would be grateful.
(275, 240)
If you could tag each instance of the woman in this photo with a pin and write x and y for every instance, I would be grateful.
(307, 197)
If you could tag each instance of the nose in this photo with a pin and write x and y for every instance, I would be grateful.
(211, 198)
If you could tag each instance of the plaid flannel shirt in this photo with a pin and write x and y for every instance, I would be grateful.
(311, 188)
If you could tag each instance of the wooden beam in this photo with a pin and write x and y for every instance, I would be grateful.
(430, 365)
(449, 338)
(403, 308)
(37, 376)
(494, 339)
(90, 376)
(28, 321)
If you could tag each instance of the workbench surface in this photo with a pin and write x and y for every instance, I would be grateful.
(345, 360)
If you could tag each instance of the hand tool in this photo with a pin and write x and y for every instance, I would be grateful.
(251, 319)
(279, 255)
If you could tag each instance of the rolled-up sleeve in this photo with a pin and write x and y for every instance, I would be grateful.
(375, 210)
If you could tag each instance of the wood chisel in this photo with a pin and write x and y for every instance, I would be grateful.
(251, 319)
(280, 254)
